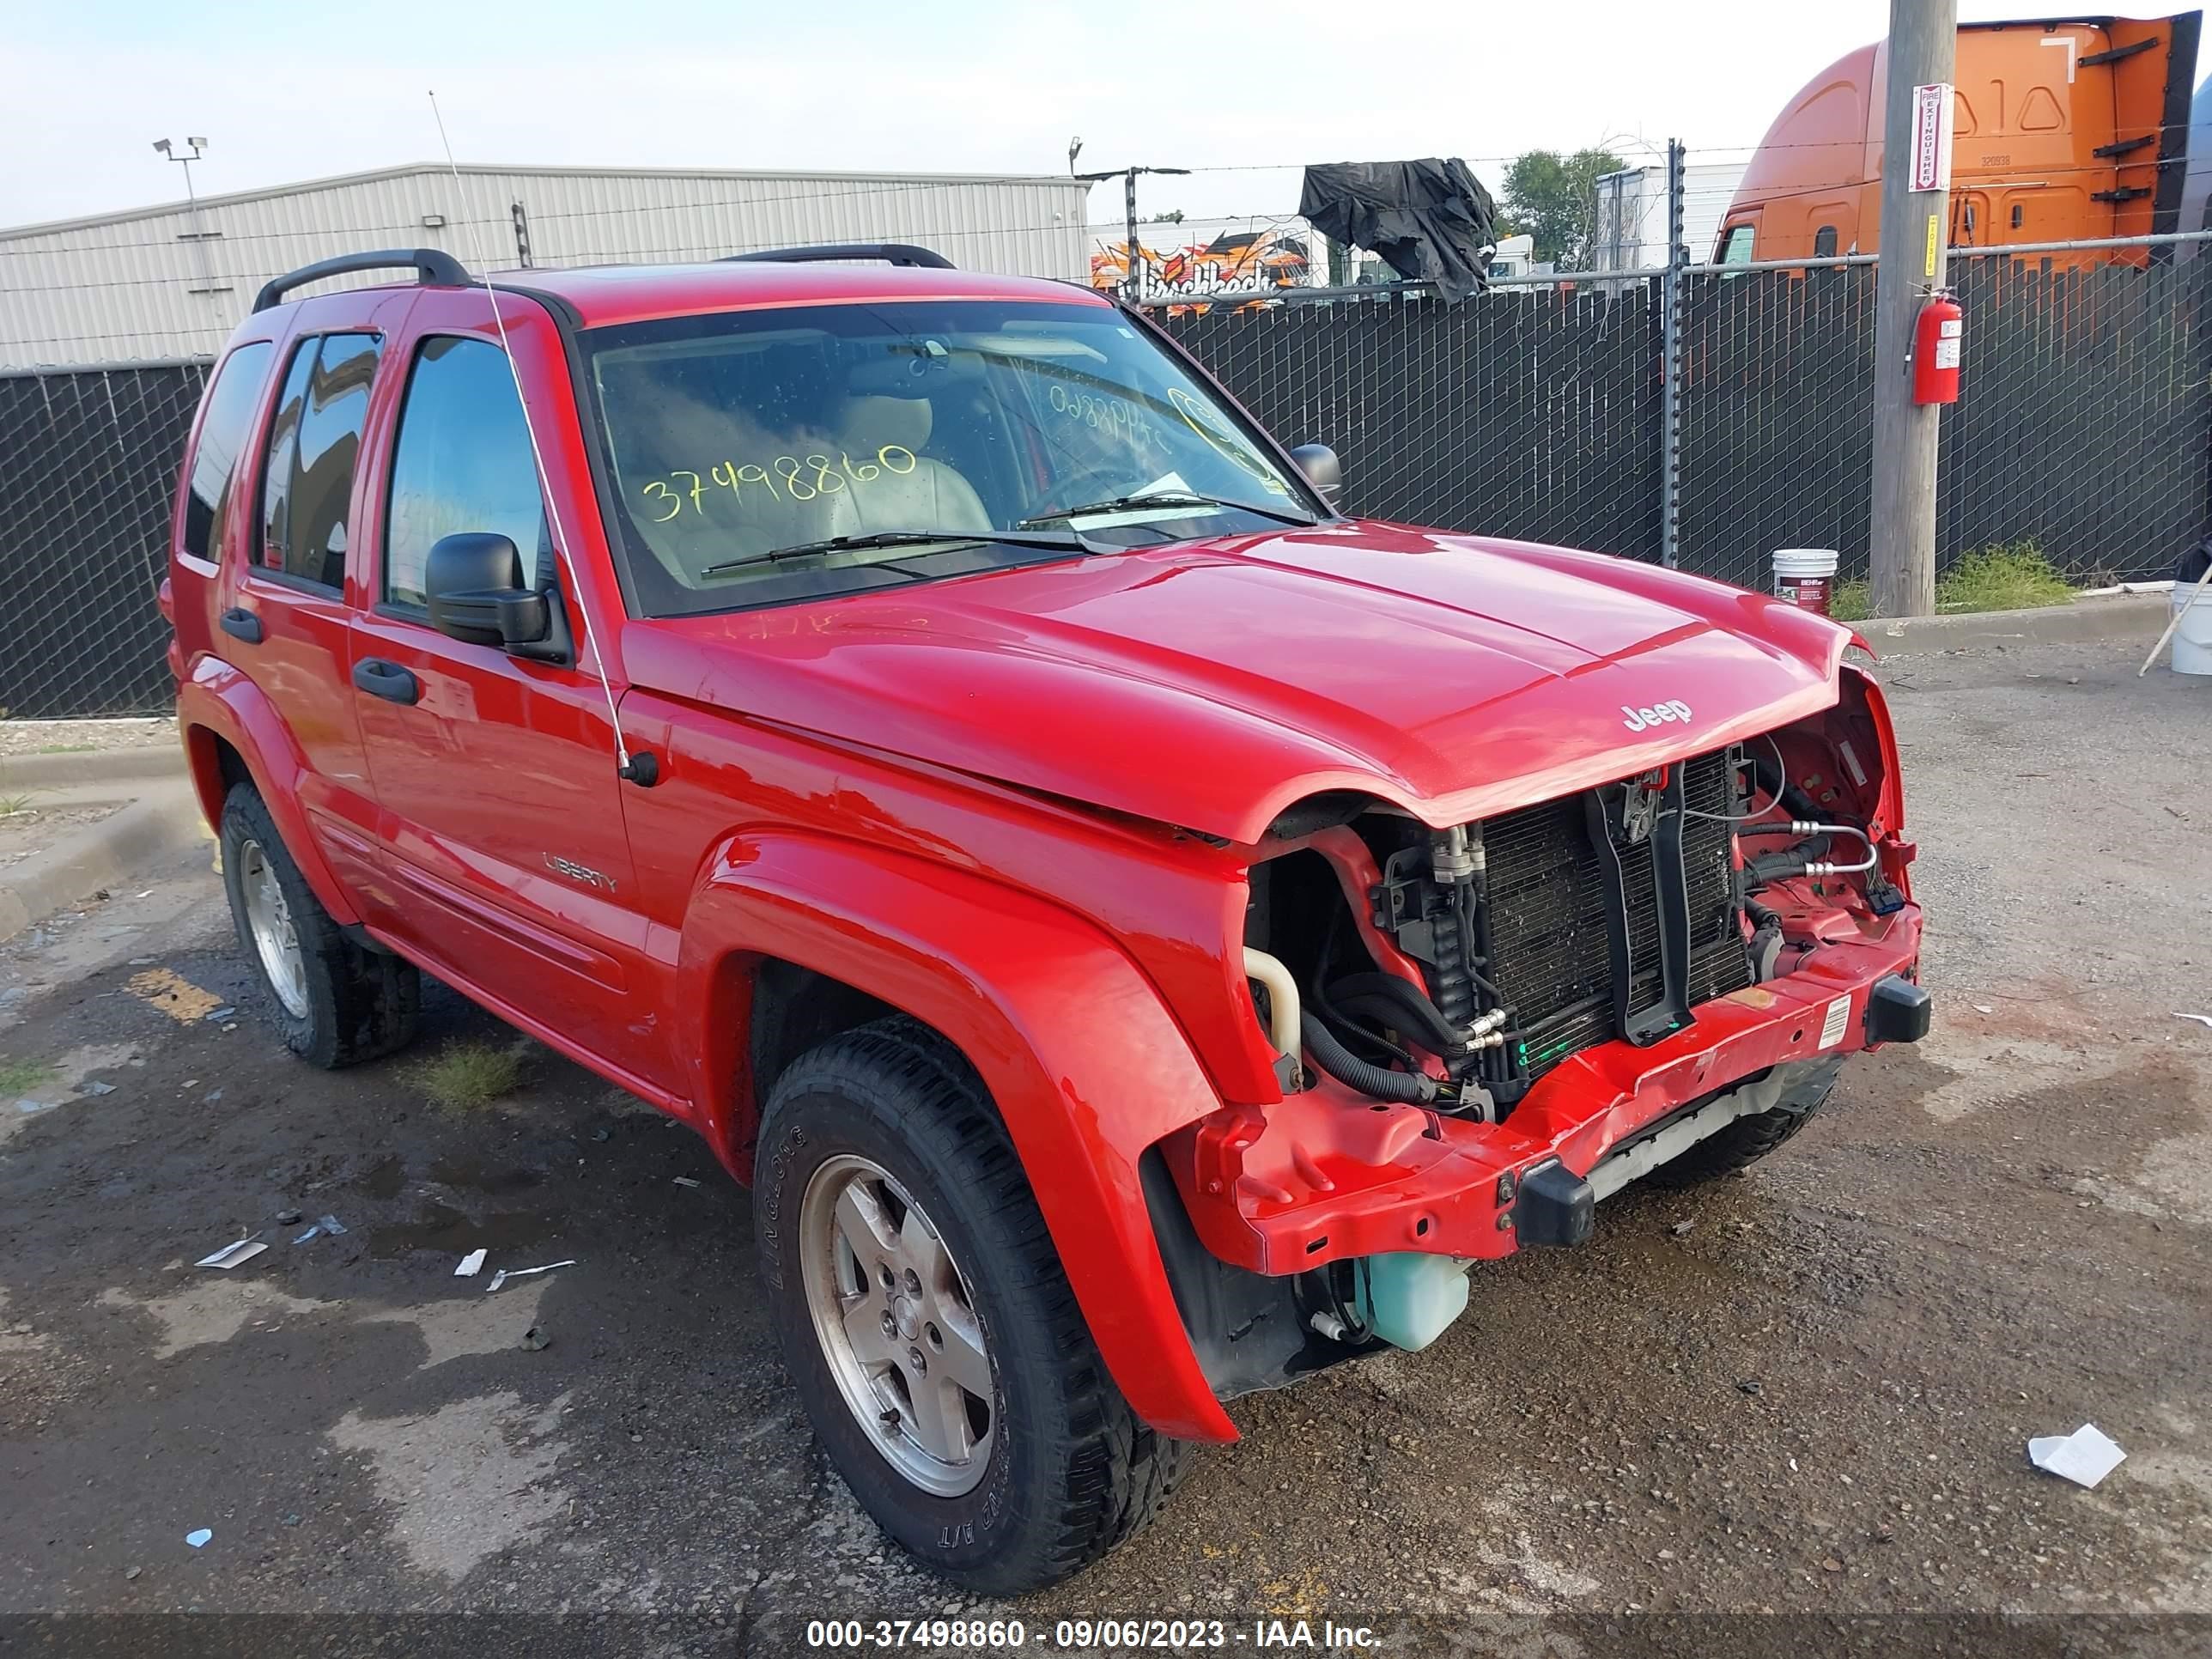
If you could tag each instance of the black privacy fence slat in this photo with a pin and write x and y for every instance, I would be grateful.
(1525, 413)
(87, 466)
(1778, 409)
(2085, 420)
(2084, 430)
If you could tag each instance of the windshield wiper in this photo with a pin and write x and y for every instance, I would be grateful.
(1065, 540)
(1166, 498)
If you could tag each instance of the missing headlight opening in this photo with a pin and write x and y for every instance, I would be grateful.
(1454, 968)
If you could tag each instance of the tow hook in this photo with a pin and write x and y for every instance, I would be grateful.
(1897, 1011)
(1555, 1206)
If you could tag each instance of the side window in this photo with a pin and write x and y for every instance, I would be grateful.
(1824, 242)
(230, 405)
(313, 443)
(1736, 251)
(277, 465)
(463, 463)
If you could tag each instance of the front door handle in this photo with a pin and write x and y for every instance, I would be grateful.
(388, 680)
(240, 625)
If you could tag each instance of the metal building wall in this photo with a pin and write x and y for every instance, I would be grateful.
(137, 288)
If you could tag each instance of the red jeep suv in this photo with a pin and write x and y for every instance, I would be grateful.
(1144, 935)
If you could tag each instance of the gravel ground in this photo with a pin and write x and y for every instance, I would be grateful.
(69, 737)
(1738, 1419)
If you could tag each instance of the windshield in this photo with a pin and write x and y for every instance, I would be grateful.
(743, 444)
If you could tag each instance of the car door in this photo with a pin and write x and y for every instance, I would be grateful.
(285, 610)
(507, 868)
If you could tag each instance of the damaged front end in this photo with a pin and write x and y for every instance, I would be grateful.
(1484, 1027)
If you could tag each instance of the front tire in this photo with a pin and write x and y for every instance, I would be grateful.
(929, 1326)
(335, 1002)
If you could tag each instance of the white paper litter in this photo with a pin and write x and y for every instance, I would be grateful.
(2205, 1020)
(505, 1273)
(231, 1254)
(2085, 1457)
(685, 1181)
(471, 1265)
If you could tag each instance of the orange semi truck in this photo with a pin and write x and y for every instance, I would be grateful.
(2065, 132)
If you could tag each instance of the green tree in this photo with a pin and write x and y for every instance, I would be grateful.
(1553, 198)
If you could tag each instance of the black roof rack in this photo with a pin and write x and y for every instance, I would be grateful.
(434, 265)
(897, 253)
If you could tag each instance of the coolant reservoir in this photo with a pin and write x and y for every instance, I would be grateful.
(1408, 1297)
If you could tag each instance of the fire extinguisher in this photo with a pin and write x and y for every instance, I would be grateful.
(1936, 338)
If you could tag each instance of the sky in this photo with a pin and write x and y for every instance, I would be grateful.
(1248, 95)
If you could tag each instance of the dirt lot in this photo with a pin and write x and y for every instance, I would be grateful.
(32, 828)
(1794, 1396)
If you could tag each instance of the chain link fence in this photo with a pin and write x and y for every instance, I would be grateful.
(1536, 410)
(1530, 413)
(88, 471)
(2084, 422)
(2083, 432)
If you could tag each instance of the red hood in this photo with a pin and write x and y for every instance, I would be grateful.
(1210, 685)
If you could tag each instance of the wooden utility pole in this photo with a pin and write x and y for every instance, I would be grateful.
(1916, 180)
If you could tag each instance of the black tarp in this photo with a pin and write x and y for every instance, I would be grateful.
(1432, 221)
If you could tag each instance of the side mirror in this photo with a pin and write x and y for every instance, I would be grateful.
(1322, 470)
(473, 585)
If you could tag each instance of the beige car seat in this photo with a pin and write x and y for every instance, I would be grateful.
(931, 497)
(722, 525)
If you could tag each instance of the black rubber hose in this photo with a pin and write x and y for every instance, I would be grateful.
(1389, 1014)
(1409, 1088)
(1775, 866)
(1768, 775)
(1343, 1027)
(1386, 994)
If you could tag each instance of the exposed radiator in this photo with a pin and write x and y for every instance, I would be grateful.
(1550, 942)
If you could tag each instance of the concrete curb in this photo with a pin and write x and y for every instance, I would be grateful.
(163, 820)
(139, 763)
(2119, 617)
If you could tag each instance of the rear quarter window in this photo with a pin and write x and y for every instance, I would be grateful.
(231, 401)
(315, 440)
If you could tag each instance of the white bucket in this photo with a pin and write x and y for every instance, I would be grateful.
(1805, 577)
(2193, 641)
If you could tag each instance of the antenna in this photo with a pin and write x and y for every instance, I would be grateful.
(644, 769)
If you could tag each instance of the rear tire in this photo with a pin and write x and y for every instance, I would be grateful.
(335, 1002)
(1053, 1469)
(1747, 1139)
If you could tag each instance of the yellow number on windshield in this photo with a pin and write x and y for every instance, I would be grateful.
(675, 501)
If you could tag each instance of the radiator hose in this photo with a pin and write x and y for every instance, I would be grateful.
(1410, 1088)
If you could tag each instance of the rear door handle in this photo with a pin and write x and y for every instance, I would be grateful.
(388, 680)
(241, 625)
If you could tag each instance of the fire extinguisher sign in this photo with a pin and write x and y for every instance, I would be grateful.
(1931, 137)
